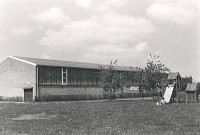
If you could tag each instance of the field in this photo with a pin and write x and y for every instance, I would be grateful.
(99, 117)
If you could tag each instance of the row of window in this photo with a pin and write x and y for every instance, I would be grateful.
(67, 76)
(71, 76)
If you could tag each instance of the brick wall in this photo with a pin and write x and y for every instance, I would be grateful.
(74, 90)
(69, 90)
(14, 75)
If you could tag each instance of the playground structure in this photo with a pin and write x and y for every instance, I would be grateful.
(174, 86)
(168, 93)
(175, 91)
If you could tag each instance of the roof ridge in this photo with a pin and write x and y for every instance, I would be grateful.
(25, 61)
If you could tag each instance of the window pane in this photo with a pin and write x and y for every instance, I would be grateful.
(64, 80)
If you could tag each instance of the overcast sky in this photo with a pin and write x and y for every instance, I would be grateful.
(98, 31)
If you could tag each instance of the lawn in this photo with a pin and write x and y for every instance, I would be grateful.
(99, 117)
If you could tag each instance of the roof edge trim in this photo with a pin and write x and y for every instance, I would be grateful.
(23, 60)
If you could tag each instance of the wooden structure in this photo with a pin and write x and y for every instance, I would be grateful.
(191, 92)
(174, 79)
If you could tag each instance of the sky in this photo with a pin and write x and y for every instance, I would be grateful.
(98, 31)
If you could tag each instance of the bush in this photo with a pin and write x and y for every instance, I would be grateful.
(16, 99)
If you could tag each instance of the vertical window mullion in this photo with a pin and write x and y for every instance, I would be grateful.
(66, 77)
(62, 76)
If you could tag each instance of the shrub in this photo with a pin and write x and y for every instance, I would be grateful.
(16, 99)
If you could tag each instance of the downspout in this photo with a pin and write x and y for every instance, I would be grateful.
(84, 80)
(37, 89)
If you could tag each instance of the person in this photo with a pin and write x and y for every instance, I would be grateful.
(162, 101)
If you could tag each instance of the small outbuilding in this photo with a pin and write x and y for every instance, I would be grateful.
(191, 92)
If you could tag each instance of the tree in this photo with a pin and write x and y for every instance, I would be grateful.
(138, 78)
(137, 75)
(155, 73)
(111, 79)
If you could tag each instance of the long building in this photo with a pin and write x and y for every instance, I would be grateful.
(32, 78)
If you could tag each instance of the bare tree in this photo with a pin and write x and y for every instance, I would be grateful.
(155, 73)
(110, 79)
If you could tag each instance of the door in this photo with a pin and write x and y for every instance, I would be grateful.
(28, 95)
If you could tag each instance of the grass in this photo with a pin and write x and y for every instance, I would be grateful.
(116, 117)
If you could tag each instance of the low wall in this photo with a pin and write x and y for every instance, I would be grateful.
(69, 90)
(75, 93)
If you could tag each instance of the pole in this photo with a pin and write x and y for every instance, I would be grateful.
(37, 87)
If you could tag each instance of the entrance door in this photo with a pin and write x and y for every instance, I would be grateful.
(28, 94)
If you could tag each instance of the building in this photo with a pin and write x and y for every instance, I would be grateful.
(191, 92)
(32, 78)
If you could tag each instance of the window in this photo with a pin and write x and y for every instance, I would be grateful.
(82, 77)
(49, 75)
(64, 76)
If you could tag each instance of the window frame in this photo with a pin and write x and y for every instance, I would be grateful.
(66, 77)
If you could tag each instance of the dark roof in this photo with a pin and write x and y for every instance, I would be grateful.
(191, 87)
(172, 76)
(59, 63)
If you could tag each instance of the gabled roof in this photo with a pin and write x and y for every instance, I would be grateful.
(191, 87)
(59, 63)
(172, 76)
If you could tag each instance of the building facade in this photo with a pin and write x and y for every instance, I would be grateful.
(32, 78)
